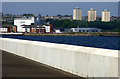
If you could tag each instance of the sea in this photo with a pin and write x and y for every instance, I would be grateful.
(87, 41)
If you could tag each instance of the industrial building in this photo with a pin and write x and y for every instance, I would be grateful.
(91, 15)
(106, 16)
(23, 21)
(77, 14)
(85, 30)
(31, 25)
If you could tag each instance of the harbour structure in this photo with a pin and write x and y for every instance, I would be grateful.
(80, 59)
(77, 14)
(91, 15)
(106, 16)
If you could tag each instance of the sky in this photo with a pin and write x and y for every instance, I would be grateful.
(54, 8)
(0, 6)
(60, 0)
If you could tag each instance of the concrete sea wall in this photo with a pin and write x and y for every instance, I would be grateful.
(79, 60)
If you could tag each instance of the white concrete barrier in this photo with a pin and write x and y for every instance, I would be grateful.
(79, 60)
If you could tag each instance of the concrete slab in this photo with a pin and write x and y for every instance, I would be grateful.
(17, 66)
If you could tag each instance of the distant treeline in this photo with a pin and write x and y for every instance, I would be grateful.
(112, 26)
(7, 23)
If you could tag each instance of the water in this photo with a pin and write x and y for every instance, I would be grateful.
(88, 41)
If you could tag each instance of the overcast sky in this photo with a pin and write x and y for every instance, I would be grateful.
(60, 0)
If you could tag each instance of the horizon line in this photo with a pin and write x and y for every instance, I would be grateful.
(56, 1)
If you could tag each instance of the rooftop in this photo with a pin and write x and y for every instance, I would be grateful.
(77, 8)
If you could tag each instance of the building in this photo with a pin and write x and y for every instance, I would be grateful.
(67, 18)
(37, 20)
(106, 16)
(50, 17)
(85, 30)
(8, 29)
(4, 30)
(91, 15)
(57, 31)
(23, 21)
(56, 17)
(77, 14)
(47, 28)
(74, 29)
(33, 29)
(37, 29)
(14, 28)
(119, 8)
(28, 21)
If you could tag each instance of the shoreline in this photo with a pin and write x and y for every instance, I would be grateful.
(109, 34)
(115, 34)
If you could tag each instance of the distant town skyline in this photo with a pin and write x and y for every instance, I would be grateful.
(54, 8)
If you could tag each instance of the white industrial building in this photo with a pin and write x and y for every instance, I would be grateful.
(23, 21)
(85, 30)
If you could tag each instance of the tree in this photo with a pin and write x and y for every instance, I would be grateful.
(28, 15)
(66, 24)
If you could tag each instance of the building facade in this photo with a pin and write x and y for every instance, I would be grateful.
(77, 14)
(85, 30)
(57, 31)
(37, 20)
(4, 30)
(8, 29)
(47, 28)
(106, 16)
(37, 29)
(91, 15)
(23, 21)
